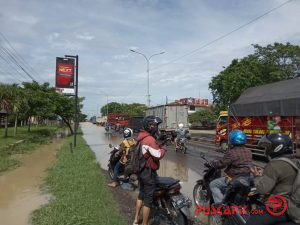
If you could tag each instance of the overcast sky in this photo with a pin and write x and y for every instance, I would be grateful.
(101, 32)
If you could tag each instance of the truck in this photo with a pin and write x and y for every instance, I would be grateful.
(118, 120)
(263, 110)
(171, 115)
(93, 120)
(135, 123)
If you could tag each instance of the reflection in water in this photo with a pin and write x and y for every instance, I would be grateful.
(173, 169)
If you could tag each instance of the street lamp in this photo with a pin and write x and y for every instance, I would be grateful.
(148, 62)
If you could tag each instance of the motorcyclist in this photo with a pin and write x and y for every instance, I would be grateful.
(152, 152)
(277, 177)
(237, 161)
(126, 144)
(180, 133)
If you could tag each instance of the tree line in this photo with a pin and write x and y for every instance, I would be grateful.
(39, 101)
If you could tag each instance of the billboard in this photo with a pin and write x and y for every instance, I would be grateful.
(65, 72)
(193, 101)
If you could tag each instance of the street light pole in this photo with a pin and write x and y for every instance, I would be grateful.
(148, 71)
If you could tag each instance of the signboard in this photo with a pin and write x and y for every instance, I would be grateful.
(65, 72)
(193, 101)
(65, 91)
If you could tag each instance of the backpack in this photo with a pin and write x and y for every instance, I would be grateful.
(136, 161)
(293, 202)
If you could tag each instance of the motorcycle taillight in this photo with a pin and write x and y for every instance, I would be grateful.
(175, 190)
(159, 192)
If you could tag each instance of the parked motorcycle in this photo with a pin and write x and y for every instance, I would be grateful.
(240, 192)
(124, 176)
(170, 207)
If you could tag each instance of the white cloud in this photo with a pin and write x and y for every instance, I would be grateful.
(102, 32)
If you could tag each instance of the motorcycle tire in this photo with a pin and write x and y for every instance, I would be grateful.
(199, 195)
(215, 219)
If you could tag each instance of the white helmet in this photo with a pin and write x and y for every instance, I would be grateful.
(180, 125)
(127, 133)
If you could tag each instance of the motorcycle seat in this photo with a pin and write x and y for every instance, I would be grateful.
(166, 182)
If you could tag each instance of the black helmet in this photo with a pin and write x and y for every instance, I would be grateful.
(150, 120)
(276, 144)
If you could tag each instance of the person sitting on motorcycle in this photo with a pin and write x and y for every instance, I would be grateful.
(152, 152)
(277, 178)
(126, 144)
(237, 160)
(180, 133)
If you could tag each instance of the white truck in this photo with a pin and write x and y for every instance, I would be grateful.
(171, 115)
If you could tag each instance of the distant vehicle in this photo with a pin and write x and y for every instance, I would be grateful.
(135, 123)
(171, 115)
(93, 120)
(263, 110)
(118, 120)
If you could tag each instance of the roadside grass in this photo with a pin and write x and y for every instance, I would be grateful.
(38, 136)
(79, 191)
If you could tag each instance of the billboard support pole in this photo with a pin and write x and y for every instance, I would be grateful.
(76, 99)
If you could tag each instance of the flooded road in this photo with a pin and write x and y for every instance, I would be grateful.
(187, 168)
(20, 188)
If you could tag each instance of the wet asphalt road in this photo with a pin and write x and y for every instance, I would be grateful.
(187, 168)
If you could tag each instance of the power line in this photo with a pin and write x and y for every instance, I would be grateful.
(11, 65)
(25, 63)
(3, 72)
(13, 59)
(224, 35)
(215, 40)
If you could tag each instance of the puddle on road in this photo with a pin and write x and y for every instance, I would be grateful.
(19, 188)
(187, 168)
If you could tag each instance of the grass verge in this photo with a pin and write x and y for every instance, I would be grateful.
(80, 193)
(30, 141)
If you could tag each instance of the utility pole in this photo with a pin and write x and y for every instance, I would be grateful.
(76, 98)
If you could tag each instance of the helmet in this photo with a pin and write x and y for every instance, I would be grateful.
(237, 137)
(151, 120)
(180, 125)
(276, 144)
(127, 133)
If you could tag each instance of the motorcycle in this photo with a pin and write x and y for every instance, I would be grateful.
(181, 145)
(170, 207)
(240, 192)
(124, 175)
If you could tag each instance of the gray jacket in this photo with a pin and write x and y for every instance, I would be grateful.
(277, 179)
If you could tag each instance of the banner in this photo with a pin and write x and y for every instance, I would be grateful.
(65, 72)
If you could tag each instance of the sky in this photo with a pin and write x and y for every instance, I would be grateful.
(102, 32)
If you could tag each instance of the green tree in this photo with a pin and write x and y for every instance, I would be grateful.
(203, 116)
(134, 109)
(266, 65)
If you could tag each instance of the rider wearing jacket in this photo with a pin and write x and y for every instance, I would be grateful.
(277, 177)
(126, 144)
(237, 160)
(152, 152)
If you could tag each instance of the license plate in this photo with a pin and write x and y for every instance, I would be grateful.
(181, 201)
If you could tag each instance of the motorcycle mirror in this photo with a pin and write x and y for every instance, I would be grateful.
(110, 145)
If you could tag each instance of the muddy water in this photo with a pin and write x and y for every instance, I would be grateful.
(187, 168)
(19, 188)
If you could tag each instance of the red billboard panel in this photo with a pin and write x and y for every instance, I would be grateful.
(65, 72)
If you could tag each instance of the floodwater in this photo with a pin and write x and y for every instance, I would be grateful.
(20, 192)
(186, 168)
